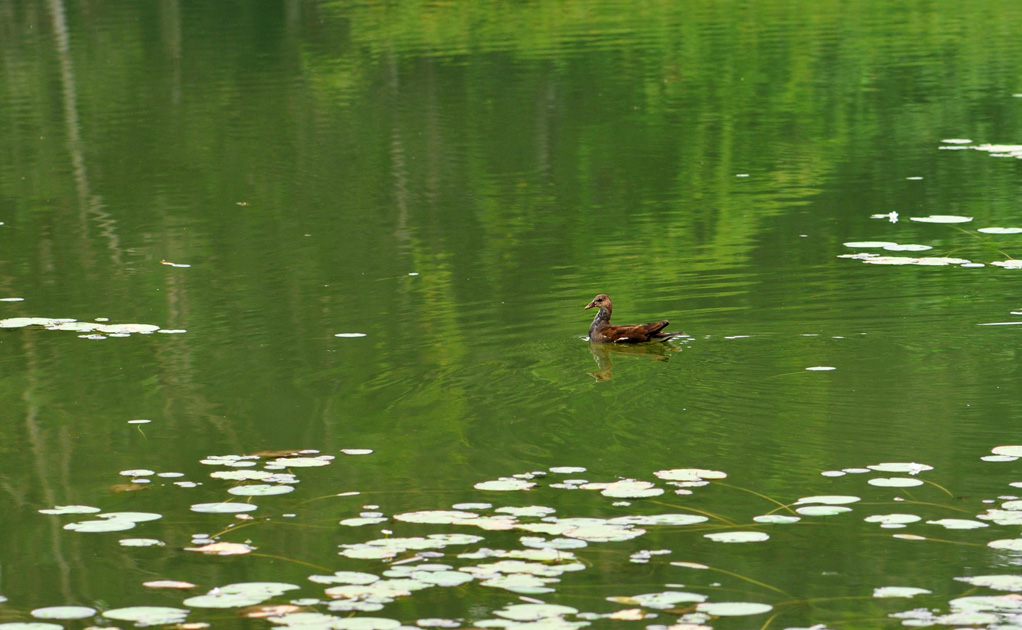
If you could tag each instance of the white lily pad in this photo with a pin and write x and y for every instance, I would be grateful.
(893, 519)
(777, 519)
(659, 519)
(822, 510)
(941, 218)
(259, 490)
(659, 601)
(899, 591)
(101, 525)
(70, 509)
(554, 543)
(689, 474)
(733, 609)
(534, 511)
(148, 615)
(141, 542)
(567, 470)
(908, 247)
(737, 537)
(957, 523)
(1008, 264)
(631, 489)
(30, 625)
(1011, 451)
(505, 484)
(869, 244)
(64, 612)
(223, 508)
(911, 468)
(345, 577)
(997, 582)
(895, 482)
(357, 451)
(829, 499)
(438, 517)
(301, 462)
(1000, 230)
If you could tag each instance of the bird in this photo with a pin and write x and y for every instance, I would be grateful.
(602, 331)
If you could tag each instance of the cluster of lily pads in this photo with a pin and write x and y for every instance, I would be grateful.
(99, 329)
(451, 547)
(874, 258)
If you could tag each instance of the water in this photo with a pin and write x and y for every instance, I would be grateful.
(455, 182)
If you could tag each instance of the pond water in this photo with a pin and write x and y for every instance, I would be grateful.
(292, 328)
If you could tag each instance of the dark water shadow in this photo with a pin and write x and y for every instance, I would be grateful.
(603, 352)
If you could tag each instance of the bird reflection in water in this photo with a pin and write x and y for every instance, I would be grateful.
(603, 352)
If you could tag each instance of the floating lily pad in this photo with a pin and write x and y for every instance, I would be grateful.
(1008, 544)
(148, 615)
(1008, 264)
(821, 368)
(733, 609)
(301, 462)
(350, 335)
(555, 543)
(737, 537)
(835, 499)
(689, 474)
(1000, 230)
(899, 591)
(223, 548)
(141, 542)
(631, 489)
(101, 525)
(997, 582)
(30, 625)
(171, 584)
(535, 511)
(534, 612)
(895, 482)
(70, 509)
(893, 519)
(357, 451)
(957, 523)
(659, 601)
(822, 510)
(911, 468)
(869, 244)
(941, 218)
(567, 470)
(779, 519)
(505, 484)
(345, 577)
(260, 490)
(659, 519)
(64, 612)
(437, 517)
(1011, 451)
(223, 508)
(21, 322)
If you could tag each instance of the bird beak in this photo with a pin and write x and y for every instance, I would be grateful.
(590, 305)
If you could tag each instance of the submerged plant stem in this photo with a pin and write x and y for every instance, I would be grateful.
(760, 495)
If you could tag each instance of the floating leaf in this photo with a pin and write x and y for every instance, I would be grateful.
(957, 523)
(260, 490)
(223, 549)
(659, 601)
(941, 218)
(899, 591)
(733, 609)
(996, 582)
(911, 468)
(895, 482)
(101, 525)
(836, 499)
(70, 509)
(141, 542)
(631, 489)
(1000, 230)
(148, 615)
(63, 612)
(893, 519)
(689, 474)
(822, 510)
(345, 577)
(505, 484)
(780, 519)
(1008, 264)
(737, 537)
(1009, 544)
(172, 584)
(223, 508)
(1011, 451)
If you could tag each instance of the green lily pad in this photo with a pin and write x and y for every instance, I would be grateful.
(64, 612)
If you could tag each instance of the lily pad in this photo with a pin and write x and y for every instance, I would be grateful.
(737, 537)
(957, 523)
(631, 489)
(941, 218)
(911, 468)
(733, 609)
(895, 482)
(224, 508)
(822, 510)
(148, 615)
(260, 490)
(997, 582)
(829, 499)
(64, 612)
(899, 591)
(505, 484)
(1000, 230)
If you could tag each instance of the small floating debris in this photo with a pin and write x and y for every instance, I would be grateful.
(957, 141)
(820, 368)
(173, 264)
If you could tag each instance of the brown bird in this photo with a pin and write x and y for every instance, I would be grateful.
(604, 332)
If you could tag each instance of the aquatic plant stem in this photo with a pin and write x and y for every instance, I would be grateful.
(758, 494)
